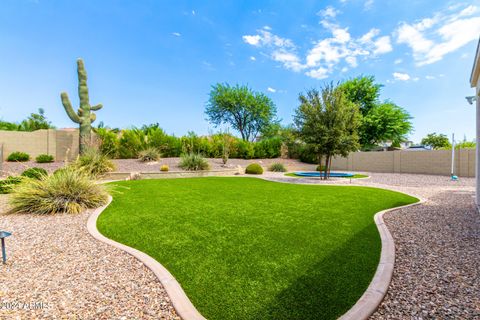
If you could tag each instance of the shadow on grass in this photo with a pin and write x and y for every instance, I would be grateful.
(330, 287)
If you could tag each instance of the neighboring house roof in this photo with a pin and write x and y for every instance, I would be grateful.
(417, 148)
(476, 68)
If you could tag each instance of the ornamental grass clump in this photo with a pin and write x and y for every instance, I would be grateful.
(93, 163)
(8, 185)
(34, 173)
(193, 162)
(18, 156)
(67, 191)
(44, 158)
(149, 154)
(277, 167)
(254, 168)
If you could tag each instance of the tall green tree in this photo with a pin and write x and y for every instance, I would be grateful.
(245, 110)
(363, 91)
(327, 121)
(385, 122)
(436, 141)
(381, 120)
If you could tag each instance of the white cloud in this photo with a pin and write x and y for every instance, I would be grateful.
(429, 77)
(368, 4)
(272, 90)
(289, 60)
(382, 45)
(328, 12)
(176, 34)
(253, 40)
(320, 73)
(432, 38)
(367, 37)
(398, 61)
(253, 58)
(266, 38)
(352, 61)
(267, 27)
(401, 76)
(193, 12)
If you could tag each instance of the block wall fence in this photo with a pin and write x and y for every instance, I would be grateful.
(62, 144)
(437, 162)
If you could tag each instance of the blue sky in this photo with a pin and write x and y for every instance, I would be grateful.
(154, 61)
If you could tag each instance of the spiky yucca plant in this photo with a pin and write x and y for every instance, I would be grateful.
(66, 191)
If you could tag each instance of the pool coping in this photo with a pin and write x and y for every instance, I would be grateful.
(365, 306)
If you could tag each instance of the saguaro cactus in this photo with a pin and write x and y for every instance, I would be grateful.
(84, 116)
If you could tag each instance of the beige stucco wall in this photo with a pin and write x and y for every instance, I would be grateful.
(53, 142)
(436, 162)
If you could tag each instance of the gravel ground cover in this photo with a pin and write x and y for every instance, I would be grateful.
(56, 270)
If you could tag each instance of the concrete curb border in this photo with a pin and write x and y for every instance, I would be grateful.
(376, 291)
(183, 306)
(362, 310)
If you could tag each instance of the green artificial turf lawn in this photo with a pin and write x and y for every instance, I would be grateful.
(355, 176)
(246, 248)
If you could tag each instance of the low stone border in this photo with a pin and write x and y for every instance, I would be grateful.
(362, 310)
(184, 308)
(169, 174)
(376, 291)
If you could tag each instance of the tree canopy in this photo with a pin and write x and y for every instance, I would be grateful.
(35, 121)
(381, 120)
(245, 110)
(385, 122)
(327, 121)
(436, 141)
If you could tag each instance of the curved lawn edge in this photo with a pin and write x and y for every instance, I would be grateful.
(378, 287)
(362, 309)
(182, 305)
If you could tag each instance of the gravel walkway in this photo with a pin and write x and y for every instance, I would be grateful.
(56, 270)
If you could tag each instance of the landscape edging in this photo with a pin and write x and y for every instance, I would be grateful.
(378, 287)
(183, 306)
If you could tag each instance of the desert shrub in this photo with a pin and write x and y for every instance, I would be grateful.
(109, 142)
(44, 158)
(34, 173)
(132, 141)
(67, 191)
(18, 156)
(277, 167)
(268, 148)
(254, 168)
(320, 168)
(308, 155)
(6, 186)
(194, 162)
(93, 163)
(164, 168)
(149, 154)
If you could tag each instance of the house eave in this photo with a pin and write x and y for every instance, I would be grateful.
(476, 68)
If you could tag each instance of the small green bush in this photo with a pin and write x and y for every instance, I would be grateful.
(277, 167)
(44, 158)
(67, 191)
(93, 163)
(18, 156)
(254, 168)
(149, 154)
(320, 168)
(164, 168)
(194, 162)
(6, 186)
(34, 173)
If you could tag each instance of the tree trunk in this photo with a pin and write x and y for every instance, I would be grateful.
(327, 164)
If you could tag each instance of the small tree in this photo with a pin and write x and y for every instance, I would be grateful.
(436, 141)
(245, 110)
(327, 121)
